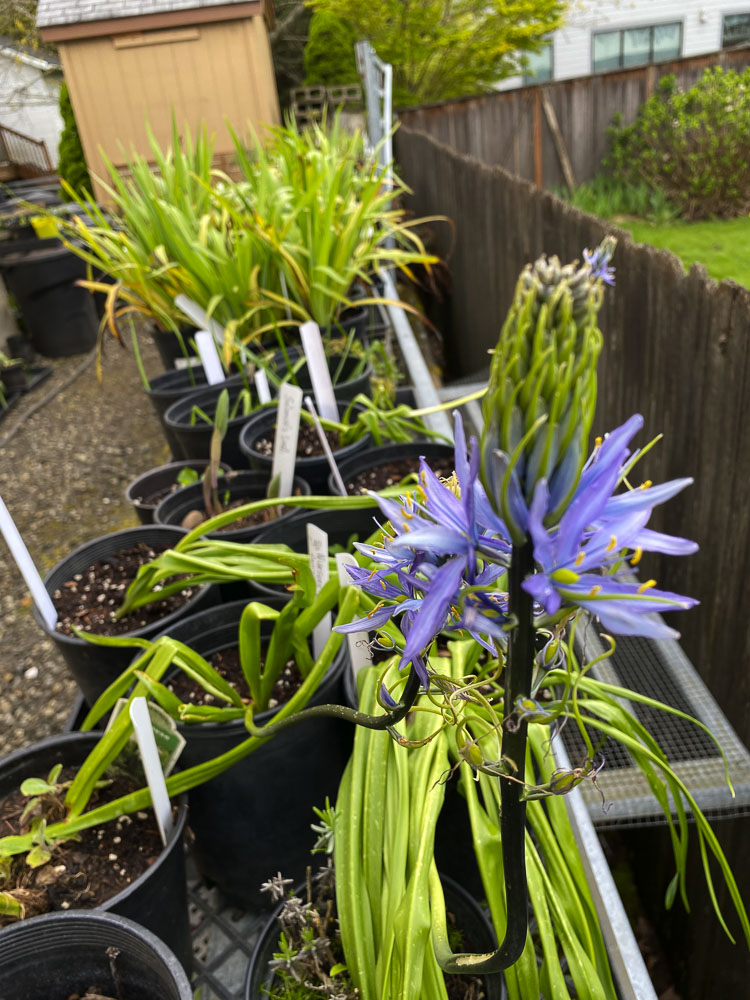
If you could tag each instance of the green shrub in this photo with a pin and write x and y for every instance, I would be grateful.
(72, 163)
(692, 145)
(329, 53)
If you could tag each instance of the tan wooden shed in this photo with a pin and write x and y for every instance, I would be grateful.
(127, 62)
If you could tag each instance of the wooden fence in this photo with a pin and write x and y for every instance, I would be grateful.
(677, 350)
(532, 130)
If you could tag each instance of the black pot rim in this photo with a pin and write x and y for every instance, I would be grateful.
(59, 921)
(395, 452)
(194, 397)
(183, 463)
(235, 477)
(256, 424)
(125, 534)
(174, 840)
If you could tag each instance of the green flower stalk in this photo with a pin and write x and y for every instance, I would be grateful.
(541, 396)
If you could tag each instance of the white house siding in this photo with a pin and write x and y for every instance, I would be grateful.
(573, 44)
(29, 101)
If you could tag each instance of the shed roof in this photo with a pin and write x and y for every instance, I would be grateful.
(51, 13)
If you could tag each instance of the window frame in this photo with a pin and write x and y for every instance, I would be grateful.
(529, 79)
(637, 27)
(735, 13)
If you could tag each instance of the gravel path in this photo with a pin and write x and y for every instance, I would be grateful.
(62, 477)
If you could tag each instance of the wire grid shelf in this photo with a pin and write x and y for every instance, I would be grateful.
(224, 936)
(660, 670)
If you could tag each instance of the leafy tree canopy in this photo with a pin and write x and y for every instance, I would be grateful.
(18, 23)
(441, 49)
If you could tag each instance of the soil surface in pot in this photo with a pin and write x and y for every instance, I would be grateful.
(226, 663)
(392, 473)
(308, 442)
(83, 873)
(90, 599)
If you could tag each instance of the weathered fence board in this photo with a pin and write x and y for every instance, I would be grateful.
(677, 350)
(507, 129)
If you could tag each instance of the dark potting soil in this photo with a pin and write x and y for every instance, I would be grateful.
(89, 601)
(226, 662)
(83, 873)
(392, 473)
(308, 442)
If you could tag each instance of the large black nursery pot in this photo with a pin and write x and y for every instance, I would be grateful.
(166, 389)
(157, 899)
(59, 315)
(468, 916)
(94, 668)
(387, 454)
(349, 381)
(314, 468)
(147, 491)
(245, 486)
(194, 438)
(63, 955)
(255, 817)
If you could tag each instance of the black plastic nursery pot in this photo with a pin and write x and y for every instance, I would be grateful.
(59, 315)
(64, 955)
(244, 486)
(342, 525)
(314, 468)
(147, 491)
(157, 899)
(13, 377)
(468, 916)
(388, 454)
(193, 436)
(166, 389)
(254, 819)
(168, 344)
(349, 382)
(94, 668)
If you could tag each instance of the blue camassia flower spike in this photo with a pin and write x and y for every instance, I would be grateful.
(595, 534)
(598, 260)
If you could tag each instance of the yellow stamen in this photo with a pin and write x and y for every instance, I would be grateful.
(594, 591)
(407, 514)
(382, 584)
(612, 544)
(646, 484)
(646, 586)
(579, 558)
(373, 572)
(636, 556)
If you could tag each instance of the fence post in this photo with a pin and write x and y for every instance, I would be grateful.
(538, 178)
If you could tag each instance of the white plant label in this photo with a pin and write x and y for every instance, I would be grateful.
(157, 785)
(209, 356)
(317, 549)
(317, 364)
(359, 642)
(326, 448)
(261, 386)
(285, 441)
(195, 313)
(27, 568)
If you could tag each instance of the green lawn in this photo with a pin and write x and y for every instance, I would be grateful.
(723, 247)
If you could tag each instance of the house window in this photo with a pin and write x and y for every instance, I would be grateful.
(539, 65)
(636, 46)
(735, 30)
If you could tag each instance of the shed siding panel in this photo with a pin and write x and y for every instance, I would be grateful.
(224, 75)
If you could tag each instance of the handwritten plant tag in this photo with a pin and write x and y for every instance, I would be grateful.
(359, 642)
(285, 442)
(317, 549)
(157, 785)
(27, 568)
(317, 365)
(209, 356)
